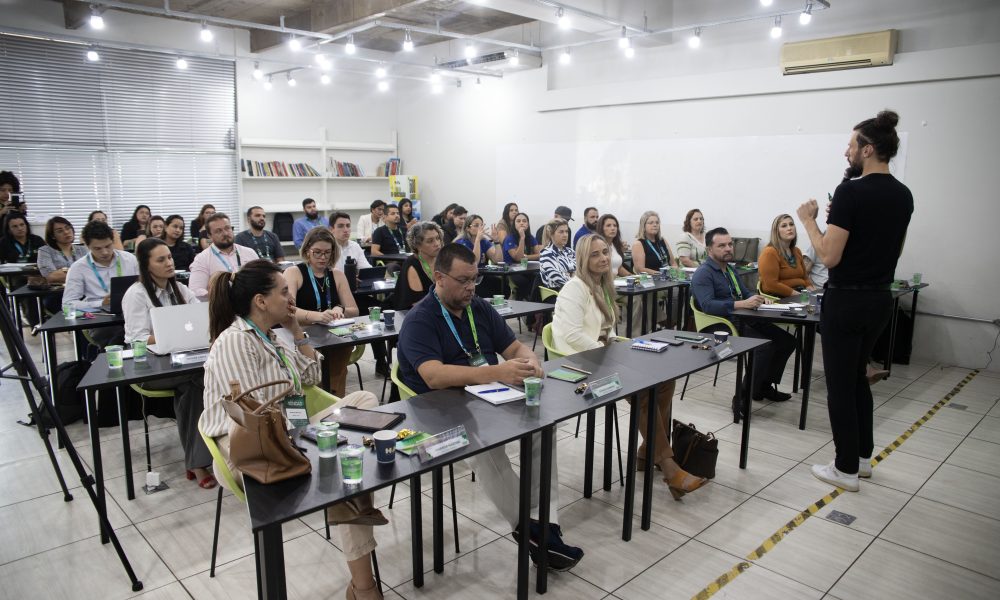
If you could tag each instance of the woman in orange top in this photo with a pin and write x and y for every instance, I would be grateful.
(782, 270)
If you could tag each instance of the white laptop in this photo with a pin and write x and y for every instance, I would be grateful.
(179, 328)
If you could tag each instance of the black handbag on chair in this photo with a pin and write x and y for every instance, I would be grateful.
(694, 451)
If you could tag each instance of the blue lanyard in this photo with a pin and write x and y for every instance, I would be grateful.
(21, 252)
(229, 267)
(93, 267)
(284, 359)
(454, 332)
(329, 299)
(659, 256)
(400, 241)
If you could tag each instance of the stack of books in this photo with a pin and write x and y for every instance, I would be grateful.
(276, 168)
(394, 166)
(345, 169)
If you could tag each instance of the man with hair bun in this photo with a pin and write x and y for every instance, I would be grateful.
(866, 228)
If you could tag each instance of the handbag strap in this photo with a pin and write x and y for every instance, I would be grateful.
(235, 387)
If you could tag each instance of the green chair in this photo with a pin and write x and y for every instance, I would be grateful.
(768, 296)
(353, 359)
(546, 293)
(703, 320)
(144, 393)
(229, 481)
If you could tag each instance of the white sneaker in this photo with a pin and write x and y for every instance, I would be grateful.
(865, 467)
(830, 474)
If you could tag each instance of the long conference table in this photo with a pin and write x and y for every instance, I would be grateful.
(487, 426)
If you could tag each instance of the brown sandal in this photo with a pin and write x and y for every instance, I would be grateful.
(678, 485)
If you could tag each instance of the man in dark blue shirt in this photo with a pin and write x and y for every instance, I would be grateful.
(718, 291)
(451, 338)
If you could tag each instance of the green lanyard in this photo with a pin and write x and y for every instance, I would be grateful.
(288, 363)
(607, 299)
(427, 268)
(736, 291)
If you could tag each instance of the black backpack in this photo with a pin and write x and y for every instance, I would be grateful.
(283, 226)
(70, 402)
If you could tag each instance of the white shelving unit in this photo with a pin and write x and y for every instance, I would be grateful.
(285, 194)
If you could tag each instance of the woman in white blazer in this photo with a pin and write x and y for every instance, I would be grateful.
(585, 318)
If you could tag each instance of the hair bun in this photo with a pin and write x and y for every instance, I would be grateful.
(886, 119)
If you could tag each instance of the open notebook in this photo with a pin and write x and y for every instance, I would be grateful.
(495, 392)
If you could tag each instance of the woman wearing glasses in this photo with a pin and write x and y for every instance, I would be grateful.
(416, 276)
(322, 295)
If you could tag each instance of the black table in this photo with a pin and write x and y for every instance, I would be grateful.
(400, 257)
(15, 270)
(808, 323)
(654, 285)
(896, 295)
(504, 271)
(25, 293)
(99, 376)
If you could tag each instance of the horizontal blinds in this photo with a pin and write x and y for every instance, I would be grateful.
(129, 129)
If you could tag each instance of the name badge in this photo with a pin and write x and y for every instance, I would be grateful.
(478, 360)
(295, 410)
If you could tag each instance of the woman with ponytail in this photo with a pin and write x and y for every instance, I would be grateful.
(244, 308)
(865, 231)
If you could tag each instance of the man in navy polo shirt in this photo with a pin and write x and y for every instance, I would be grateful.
(452, 338)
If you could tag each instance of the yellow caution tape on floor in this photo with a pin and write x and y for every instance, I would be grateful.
(768, 544)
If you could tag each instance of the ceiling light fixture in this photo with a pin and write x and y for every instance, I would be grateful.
(470, 50)
(407, 42)
(766, 2)
(623, 41)
(380, 72)
(630, 50)
(350, 48)
(776, 30)
(514, 60)
(206, 33)
(562, 18)
(257, 73)
(435, 76)
(291, 81)
(694, 42)
(806, 16)
(268, 85)
(564, 57)
(96, 20)
(295, 44)
(182, 64)
(383, 86)
(324, 79)
(93, 56)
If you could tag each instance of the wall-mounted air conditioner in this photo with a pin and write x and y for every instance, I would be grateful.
(845, 52)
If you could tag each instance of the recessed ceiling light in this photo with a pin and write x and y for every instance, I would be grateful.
(206, 33)
(257, 73)
(93, 56)
(350, 48)
(182, 64)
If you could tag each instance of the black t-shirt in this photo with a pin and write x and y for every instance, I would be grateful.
(876, 210)
(183, 254)
(13, 252)
(131, 230)
(389, 241)
(267, 245)
(322, 296)
(404, 296)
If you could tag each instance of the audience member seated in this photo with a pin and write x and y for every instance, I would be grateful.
(690, 249)
(454, 225)
(88, 282)
(245, 307)
(590, 217)
(452, 338)
(340, 223)
(608, 228)
(136, 225)
(322, 296)
(649, 250)
(390, 237)
(781, 266)
(416, 275)
(19, 245)
(561, 212)
(157, 286)
(521, 245)
(182, 252)
(444, 217)
(584, 319)
(406, 212)
(10, 200)
(265, 243)
(718, 291)
(310, 220)
(486, 247)
(368, 223)
(557, 260)
(154, 228)
(222, 255)
(818, 273)
(56, 256)
(510, 211)
(99, 215)
(199, 228)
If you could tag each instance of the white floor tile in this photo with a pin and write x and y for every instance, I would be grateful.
(977, 455)
(962, 488)
(988, 429)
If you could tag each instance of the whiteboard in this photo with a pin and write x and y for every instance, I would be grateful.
(741, 183)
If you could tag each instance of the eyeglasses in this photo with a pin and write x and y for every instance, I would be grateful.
(321, 253)
(465, 282)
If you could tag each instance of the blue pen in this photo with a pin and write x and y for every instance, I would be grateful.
(496, 390)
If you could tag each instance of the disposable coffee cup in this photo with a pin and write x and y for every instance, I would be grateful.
(385, 446)
(630, 282)
(389, 316)
(721, 337)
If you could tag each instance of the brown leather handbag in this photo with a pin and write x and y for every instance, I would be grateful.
(259, 444)
(694, 451)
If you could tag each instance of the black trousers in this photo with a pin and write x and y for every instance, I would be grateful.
(852, 321)
(768, 362)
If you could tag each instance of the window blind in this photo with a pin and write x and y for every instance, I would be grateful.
(129, 129)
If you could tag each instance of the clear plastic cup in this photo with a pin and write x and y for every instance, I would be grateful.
(69, 311)
(532, 391)
(139, 353)
(326, 441)
(114, 354)
(352, 458)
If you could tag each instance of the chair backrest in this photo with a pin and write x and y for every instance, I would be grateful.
(549, 343)
(356, 354)
(545, 293)
(404, 391)
(222, 468)
(317, 399)
(769, 296)
(703, 319)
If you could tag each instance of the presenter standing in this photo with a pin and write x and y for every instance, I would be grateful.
(866, 228)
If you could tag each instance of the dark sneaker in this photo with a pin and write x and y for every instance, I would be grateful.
(381, 368)
(561, 556)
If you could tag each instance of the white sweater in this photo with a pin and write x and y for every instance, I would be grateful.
(576, 324)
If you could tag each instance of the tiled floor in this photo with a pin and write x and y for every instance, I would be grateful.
(927, 524)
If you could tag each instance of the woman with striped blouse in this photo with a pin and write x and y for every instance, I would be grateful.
(557, 260)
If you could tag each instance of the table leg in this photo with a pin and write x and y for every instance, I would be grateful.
(95, 444)
(49, 341)
(669, 300)
(798, 360)
(738, 397)
(126, 445)
(544, 498)
(647, 484)
(270, 563)
(645, 307)
(633, 428)
(609, 428)
(745, 440)
(588, 460)
(628, 316)
(892, 337)
(808, 348)
(416, 532)
(437, 512)
(524, 517)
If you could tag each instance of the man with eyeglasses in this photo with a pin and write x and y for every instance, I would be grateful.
(452, 338)
(222, 255)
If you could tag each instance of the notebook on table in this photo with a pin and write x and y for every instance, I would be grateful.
(495, 393)
(179, 328)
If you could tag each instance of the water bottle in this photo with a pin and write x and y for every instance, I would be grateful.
(351, 272)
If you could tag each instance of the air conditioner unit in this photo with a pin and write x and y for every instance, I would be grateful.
(845, 52)
(496, 61)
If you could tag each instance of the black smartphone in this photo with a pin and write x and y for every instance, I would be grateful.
(672, 342)
(793, 314)
(691, 337)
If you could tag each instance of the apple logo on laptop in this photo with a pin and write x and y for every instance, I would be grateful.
(188, 327)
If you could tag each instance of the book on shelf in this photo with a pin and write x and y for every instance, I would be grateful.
(276, 168)
(345, 169)
(393, 166)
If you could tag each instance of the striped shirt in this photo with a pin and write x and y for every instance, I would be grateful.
(52, 259)
(557, 266)
(240, 354)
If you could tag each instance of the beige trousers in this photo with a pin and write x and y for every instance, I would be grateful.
(502, 485)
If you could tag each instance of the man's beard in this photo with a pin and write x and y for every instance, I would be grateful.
(226, 245)
(257, 226)
(854, 169)
(312, 215)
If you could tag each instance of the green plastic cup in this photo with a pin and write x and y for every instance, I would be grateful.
(326, 441)
(804, 297)
(352, 458)
(114, 354)
(532, 391)
(139, 351)
(917, 278)
(69, 311)
(375, 314)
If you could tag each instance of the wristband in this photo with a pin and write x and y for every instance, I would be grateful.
(303, 341)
